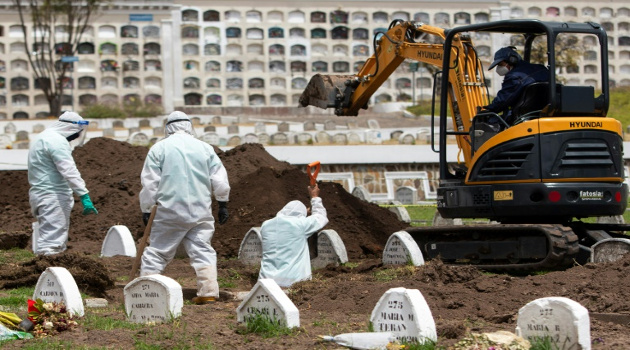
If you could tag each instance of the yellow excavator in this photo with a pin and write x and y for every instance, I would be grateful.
(558, 162)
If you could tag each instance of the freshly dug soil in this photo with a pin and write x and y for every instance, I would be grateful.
(338, 299)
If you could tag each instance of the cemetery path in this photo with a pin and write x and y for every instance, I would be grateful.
(338, 299)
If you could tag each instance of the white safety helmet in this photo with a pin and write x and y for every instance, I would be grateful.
(178, 122)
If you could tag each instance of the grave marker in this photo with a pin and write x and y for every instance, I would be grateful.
(279, 139)
(132, 130)
(322, 137)
(354, 138)
(118, 241)
(373, 124)
(400, 211)
(216, 120)
(250, 252)
(401, 249)
(330, 250)
(330, 125)
(158, 131)
(232, 129)
(21, 135)
(109, 132)
(211, 138)
(609, 250)
(406, 314)
(10, 128)
(615, 219)
(195, 121)
(56, 284)
(407, 139)
(263, 138)
(340, 139)
(361, 193)
(37, 128)
(118, 124)
(144, 123)
(234, 141)
(304, 138)
(21, 144)
(406, 195)
(153, 298)
(283, 127)
(373, 137)
(563, 320)
(5, 141)
(138, 139)
(260, 127)
(309, 126)
(209, 128)
(267, 298)
(250, 138)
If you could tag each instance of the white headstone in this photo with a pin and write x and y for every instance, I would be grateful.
(263, 138)
(267, 298)
(260, 127)
(10, 128)
(340, 139)
(304, 138)
(563, 320)
(5, 141)
(144, 123)
(109, 132)
(138, 139)
(330, 250)
(56, 284)
(401, 249)
(250, 252)
(234, 141)
(405, 313)
(373, 124)
(373, 137)
(232, 129)
(153, 298)
(21, 135)
(280, 139)
(309, 126)
(330, 125)
(322, 137)
(283, 127)
(210, 138)
(361, 193)
(118, 241)
(407, 195)
(209, 128)
(250, 138)
(354, 138)
(400, 211)
(609, 250)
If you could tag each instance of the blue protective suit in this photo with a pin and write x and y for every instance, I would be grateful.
(514, 83)
(53, 176)
(180, 175)
(286, 257)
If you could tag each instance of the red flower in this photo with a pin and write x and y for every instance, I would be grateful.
(32, 310)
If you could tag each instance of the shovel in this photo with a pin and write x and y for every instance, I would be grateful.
(143, 243)
(313, 175)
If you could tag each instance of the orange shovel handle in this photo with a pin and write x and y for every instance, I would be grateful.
(313, 175)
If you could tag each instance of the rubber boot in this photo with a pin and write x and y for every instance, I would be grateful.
(207, 285)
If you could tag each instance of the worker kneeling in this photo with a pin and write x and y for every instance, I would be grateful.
(285, 257)
(180, 174)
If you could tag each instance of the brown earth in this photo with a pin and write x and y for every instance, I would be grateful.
(338, 299)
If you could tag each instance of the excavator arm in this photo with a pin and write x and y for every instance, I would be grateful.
(350, 93)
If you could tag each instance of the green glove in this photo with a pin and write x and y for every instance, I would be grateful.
(88, 207)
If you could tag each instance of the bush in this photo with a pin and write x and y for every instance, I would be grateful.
(133, 110)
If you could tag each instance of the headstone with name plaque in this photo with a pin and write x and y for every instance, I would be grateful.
(234, 141)
(209, 128)
(211, 138)
(407, 195)
(402, 249)
(283, 127)
(354, 138)
(10, 128)
(250, 138)
(406, 314)
(118, 241)
(267, 298)
(56, 284)
(610, 250)
(563, 321)
(280, 139)
(153, 298)
(263, 138)
(232, 129)
(260, 127)
(304, 138)
(138, 139)
(21, 135)
(330, 250)
(361, 193)
(309, 126)
(144, 123)
(250, 252)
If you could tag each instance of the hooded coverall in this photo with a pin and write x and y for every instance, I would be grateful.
(286, 257)
(53, 177)
(180, 174)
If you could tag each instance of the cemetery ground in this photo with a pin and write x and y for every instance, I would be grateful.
(339, 299)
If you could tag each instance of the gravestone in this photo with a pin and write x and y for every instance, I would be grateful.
(10, 128)
(250, 252)
(401, 249)
(406, 314)
(330, 250)
(250, 138)
(5, 141)
(259, 127)
(354, 138)
(330, 125)
(138, 139)
(438, 220)
(407, 139)
(361, 193)
(195, 121)
(373, 137)
(21, 135)
(395, 135)
(309, 126)
(37, 128)
(211, 138)
(234, 141)
(21, 144)
(352, 125)
(144, 123)
(616, 219)
(263, 138)
(610, 250)
(158, 131)
(279, 139)
(268, 299)
(216, 120)
(222, 141)
(373, 124)
(118, 241)
(118, 124)
(232, 129)
(209, 128)
(340, 139)
(153, 298)
(93, 125)
(109, 132)
(133, 130)
(564, 321)
(406, 195)
(283, 127)
(400, 211)
(56, 284)
(322, 137)
(304, 138)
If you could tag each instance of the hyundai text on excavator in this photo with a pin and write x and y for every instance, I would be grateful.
(560, 160)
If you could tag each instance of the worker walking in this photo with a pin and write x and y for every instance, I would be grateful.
(285, 253)
(53, 177)
(180, 175)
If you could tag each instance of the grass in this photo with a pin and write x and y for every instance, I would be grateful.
(15, 299)
(543, 343)
(265, 326)
(230, 280)
(94, 320)
(15, 256)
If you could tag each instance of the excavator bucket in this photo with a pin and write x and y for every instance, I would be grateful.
(323, 91)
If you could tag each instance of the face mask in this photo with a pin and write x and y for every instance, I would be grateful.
(502, 70)
(73, 136)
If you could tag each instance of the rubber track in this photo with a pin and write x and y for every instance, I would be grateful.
(563, 244)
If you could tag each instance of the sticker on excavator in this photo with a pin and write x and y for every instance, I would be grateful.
(503, 195)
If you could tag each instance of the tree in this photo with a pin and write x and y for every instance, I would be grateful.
(57, 28)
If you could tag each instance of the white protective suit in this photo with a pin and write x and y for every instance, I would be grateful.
(286, 257)
(180, 175)
(53, 176)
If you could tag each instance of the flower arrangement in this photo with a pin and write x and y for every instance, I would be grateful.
(49, 318)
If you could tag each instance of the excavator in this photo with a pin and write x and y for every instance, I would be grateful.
(557, 163)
